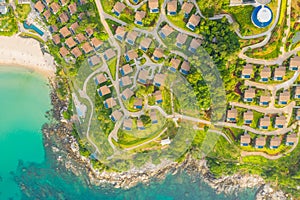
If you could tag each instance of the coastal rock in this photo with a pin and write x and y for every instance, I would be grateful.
(266, 192)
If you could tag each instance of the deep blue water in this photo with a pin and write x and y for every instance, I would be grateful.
(30, 171)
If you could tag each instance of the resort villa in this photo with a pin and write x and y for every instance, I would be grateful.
(145, 44)
(126, 94)
(159, 79)
(174, 64)
(120, 33)
(130, 55)
(143, 76)
(195, 43)
(295, 63)
(139, 16)
(181, 39)
(131, 37)
(165, 31)
(264, 100)
(248, 117)
(231, 115)
(284, 97)
(185, 67)
(127, 124)
(280, 121)
(245, 140)
(260, 142)
(249, 95)
(247, 71)
(291, 139)
(126, 69)
(264, 123)
(275, 142)
(153, 6)
(279, 73)
(265, 74)
(187, 8)
(104, 90)
(172, 7)
(118, 8)
(193, 22)
(116, 115)
(109, 54)
(110, 103)
(157, 54)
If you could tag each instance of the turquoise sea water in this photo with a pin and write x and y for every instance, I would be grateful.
(26, 164)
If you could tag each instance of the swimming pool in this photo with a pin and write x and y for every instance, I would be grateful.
(33, 27)
(262, 16)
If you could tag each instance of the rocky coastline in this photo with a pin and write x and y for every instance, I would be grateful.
(58, 137)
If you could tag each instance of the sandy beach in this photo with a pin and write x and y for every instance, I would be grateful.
(25, 52)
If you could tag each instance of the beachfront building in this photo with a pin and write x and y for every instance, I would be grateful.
(248, 117)
(194, 45)
(139, 16)
(127, 93)
(109, 54)
(247, 71)
(104, 90)
(99, 79)
(231, 115)
(153, 6)
(187, 8)
(172, 7)
(174, 64)
(295, 63)
(279, 73)
(280, 121)
(145, 44)
(284, 97)
(185, 67)
(143, 76)
(56, 39)
(264, 100)
(260, 142)
(297, 92)
(165, 31)
(181, 39)
(249, 95)
(275, 142)
(159, 79)
(118, 8)
(158, 96)
(153, 117)
(245, 140)
(291, 139)
(193, 22)
(94, 60)
(120, 33)
(127, 124)
(116, 115)
(131, 37)
(140, 125)
(131, 55)
(126, 69)
(125, 81)
(47, 15)
(157, 54)
(265, 74)
(138, 103)
(264, 122)
(110, 103)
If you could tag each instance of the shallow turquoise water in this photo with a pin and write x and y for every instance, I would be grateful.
(24, 161)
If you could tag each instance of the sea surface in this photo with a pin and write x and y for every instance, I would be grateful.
(27, 171)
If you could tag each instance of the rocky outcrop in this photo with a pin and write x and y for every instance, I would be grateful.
(266, 192)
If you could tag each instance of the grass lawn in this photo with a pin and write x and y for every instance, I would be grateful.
(22, 11)
(8, 24)
(112, 65)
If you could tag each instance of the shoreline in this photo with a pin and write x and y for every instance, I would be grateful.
(60, 141)
(26, 53)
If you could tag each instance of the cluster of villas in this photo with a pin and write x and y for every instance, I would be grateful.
(272, 142)
(74, 39)
(264, 123)
(266, 73)
(172, 8)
